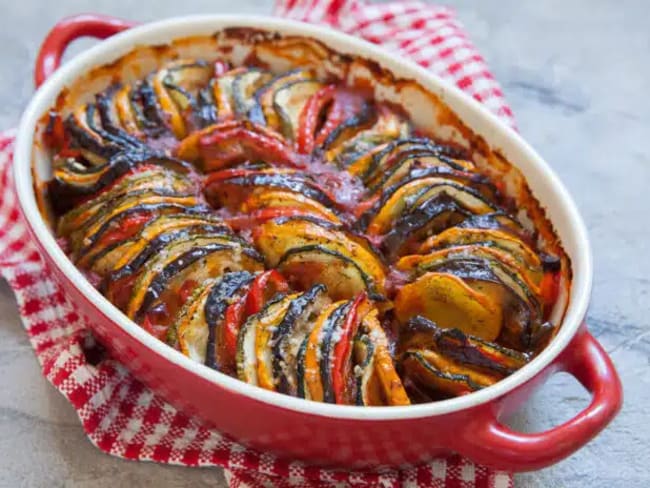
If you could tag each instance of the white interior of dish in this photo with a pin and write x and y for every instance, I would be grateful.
(541, 179)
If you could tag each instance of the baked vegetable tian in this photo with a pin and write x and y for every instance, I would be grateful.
(296, 233)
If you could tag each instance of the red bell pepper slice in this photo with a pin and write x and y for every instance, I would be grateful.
(128, 227)
(343, 350)
(310, 117)
(344, 104)
(233, 319)
(264, 287)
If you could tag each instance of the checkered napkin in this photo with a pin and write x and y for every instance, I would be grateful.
(119, 414)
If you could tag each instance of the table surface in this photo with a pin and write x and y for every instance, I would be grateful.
(575, 73)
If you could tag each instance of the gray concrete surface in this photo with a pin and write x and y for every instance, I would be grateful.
(576, 74)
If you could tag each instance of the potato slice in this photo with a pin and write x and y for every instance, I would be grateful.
(269, 198)
(436, 372)
(448, 301)
(494, 239)
(388, 381)
(333, 254)
(398, 201)
(417, 263)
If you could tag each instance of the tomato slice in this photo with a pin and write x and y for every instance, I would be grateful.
(224, 148)
(343, 350)
(233, 320)
(265, 286)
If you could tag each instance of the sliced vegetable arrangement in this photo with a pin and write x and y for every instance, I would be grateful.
(293, 232)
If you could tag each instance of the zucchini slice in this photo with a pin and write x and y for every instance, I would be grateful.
(72, 182)
(206, 112)
(193, 258)
(491, 238)
(434, 372)
(329, 336)
(229, 288)
(290, 334)
(310, 252)
(400, 149)
(384, 379)
(289, 101)
(309, 359)
(263, 110)
(267, 324)
(223, 93)
(498, 221)
(189, 332)
(304, 266)
(247, 359)
(157, 234)
(143, 201)
(368, 390)
(451, 303)
(176, 87)
(195, 326)
(388, 126)
(145, 178)
(244, 86)
(471, 351)
(416, 194)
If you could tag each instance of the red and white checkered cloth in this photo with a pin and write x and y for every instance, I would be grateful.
(120, 415)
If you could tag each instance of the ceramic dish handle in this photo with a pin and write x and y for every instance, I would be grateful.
(66, 31)
(492, 443)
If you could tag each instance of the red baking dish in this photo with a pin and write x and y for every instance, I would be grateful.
(333, 435)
